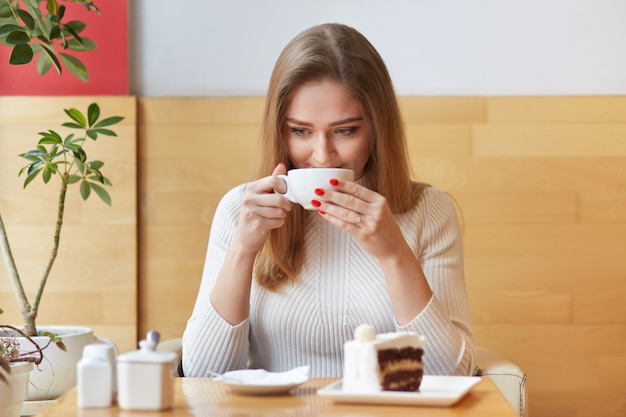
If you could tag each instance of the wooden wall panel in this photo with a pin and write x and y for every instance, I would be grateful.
(557, 110)
(93, 281)
(558, 141)
(540, 184)
(191, 152)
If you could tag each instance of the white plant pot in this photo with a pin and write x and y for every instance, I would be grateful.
(13, 394)
(56, 374)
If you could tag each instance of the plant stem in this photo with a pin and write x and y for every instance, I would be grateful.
(14, 275)
(30, 318)
(38, 350)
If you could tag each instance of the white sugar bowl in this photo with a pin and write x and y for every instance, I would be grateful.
(145, 377)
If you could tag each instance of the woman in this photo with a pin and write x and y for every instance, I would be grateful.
(284, 287)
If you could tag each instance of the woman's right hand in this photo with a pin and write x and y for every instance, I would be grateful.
(262, 210)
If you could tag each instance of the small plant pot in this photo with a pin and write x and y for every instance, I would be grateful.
(13, 394)
(56, 374)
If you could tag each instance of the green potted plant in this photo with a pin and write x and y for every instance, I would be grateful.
(38, 29)
(15, 365)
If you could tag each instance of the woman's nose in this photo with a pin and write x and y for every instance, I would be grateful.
(323, 151)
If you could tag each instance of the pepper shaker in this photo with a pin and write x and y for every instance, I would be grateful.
(94, 377)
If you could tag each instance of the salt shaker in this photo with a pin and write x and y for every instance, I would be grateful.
(94, 377)
(145, 377)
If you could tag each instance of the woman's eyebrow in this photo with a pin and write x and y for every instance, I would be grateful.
(338, 122)
(298, 122)
(347, 120)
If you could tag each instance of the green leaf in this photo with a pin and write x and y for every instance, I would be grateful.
(96, 175)
(60, 12)
(109, 121)
(32, 4)
(26, 18)
(75, 66)
(5, 10)
(91, 134)
(85, 190)
(53, 58)
(93, 113)
(96, 164)
(60, 153)
(86, 45)
(55, 32)
(69, 32)
(34, 153)
(31, 177)
(77, 116)
(102, 193)
(6, 29)
(35, 166)
(69, 140)
(44, 63)
(73, 179)
(106, 132)
(65, 43)
(80, 155)
(79, 164)
(51, 6)
(57, 340)
(63, 39)
(22, 54)
(47, 173)
(50, 137)
(76, 26)
(53, 151)
(72, 146)
(72, 125)
(17, 38)
(31, 158)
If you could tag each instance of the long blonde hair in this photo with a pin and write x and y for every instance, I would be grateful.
(338, 53)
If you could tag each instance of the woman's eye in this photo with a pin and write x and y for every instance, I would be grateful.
(298, 132)
(346, 131)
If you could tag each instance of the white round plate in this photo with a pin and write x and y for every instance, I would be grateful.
(262, 382)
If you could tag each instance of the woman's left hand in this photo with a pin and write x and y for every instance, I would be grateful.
(364, 214)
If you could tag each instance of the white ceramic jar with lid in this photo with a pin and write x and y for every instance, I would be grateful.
(145, 377)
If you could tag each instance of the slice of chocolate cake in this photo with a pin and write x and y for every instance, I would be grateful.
(383, 362)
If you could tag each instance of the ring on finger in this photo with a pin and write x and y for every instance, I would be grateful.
(357, 219)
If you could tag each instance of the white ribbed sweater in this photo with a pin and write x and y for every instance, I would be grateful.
(340, 287)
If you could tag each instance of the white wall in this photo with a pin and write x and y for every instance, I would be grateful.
(432, 47)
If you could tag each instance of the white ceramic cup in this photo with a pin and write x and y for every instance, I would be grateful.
(302, 182)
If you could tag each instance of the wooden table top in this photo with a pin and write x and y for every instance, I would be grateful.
(200, 397)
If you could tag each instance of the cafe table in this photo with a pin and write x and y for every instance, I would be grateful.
(204, 397)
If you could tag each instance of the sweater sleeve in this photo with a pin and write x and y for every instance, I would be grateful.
(446, 320)
(209, 341)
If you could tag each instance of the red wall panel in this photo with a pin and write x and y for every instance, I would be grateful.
(107, 65)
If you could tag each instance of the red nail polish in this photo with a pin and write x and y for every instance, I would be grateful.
(321, 212)
(315, 203)
(319, 191)
(334, 182)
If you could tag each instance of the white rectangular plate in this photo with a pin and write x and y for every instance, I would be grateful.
(435, 391)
